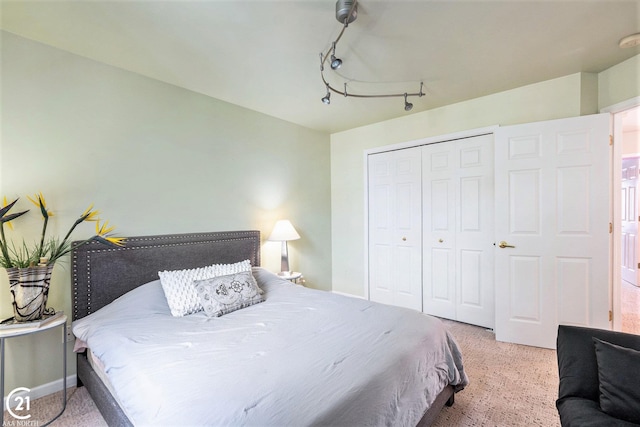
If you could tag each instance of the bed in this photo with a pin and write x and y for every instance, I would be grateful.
(299, 357)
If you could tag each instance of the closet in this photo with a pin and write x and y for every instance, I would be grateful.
(514, 222)
(514, 227)
(431, 228)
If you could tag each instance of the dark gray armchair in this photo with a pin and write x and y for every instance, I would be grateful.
(599, 377)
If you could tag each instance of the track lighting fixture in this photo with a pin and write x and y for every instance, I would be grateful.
(346, 13)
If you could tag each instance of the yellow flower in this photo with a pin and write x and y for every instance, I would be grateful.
(42, 204)
(118, 241)
(90, 215)
(104, 229)
(102, 232)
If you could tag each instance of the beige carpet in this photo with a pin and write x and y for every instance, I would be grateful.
(511, 385)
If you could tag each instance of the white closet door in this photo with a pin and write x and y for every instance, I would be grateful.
(552, 194)
(458, 235)
(475, 231)
(395, 228)
(439, 229)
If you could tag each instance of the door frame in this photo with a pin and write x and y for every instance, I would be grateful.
(399, 146)
(616, 214)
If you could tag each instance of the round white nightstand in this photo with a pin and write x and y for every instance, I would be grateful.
(293, 276)
(18, 331)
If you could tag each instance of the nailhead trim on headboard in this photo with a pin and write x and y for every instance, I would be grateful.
(241, 244)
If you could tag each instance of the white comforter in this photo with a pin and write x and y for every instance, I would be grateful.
(302, 357)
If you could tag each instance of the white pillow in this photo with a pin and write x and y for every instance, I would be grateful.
(180, 291)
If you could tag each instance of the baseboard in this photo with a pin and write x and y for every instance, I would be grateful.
(39, 391)
(346, 294)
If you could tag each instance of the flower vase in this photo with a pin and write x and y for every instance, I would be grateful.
(29, 291)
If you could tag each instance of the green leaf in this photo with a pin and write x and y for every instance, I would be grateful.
(7, 208)
(12, 216)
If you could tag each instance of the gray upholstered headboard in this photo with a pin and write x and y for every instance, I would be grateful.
(102, 273)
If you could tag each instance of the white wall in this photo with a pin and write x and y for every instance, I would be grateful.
(155, 159)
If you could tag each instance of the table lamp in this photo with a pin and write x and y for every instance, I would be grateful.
(283, 231)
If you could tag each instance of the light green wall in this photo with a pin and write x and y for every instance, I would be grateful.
(568, 96)
(155, 159)
(619, 83)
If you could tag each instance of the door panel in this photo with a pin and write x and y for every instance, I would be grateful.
(470, 281)
(439, 234)
(552, 206)
(475, 232)
(458, 230)
(395, 228)
(573, 279)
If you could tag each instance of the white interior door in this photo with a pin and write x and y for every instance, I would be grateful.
(457, 185)
(629, 214)
(552, 210)
(395, 228)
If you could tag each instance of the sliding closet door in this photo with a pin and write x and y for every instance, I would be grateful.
(458, 179)
(395, 228)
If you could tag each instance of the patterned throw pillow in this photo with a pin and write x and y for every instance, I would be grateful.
(224, 294)
(180, 292)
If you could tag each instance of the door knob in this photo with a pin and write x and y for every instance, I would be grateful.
(504, 244)
(404, 239)
(440, 240)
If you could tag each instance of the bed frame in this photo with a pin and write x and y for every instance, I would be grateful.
(100, 274)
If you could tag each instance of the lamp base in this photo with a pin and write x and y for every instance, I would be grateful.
(290, 275)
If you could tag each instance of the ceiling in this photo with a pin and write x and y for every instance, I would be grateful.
(265, 54)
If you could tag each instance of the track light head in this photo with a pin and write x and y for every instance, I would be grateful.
(335, 62)
(407, 105)
(327, 98)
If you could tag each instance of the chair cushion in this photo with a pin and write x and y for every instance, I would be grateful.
(619, 376)
(580, 412)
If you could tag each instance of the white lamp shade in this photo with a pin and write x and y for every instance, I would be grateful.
(283, 231)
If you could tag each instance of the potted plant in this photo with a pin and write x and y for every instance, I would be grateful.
(29, 267)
